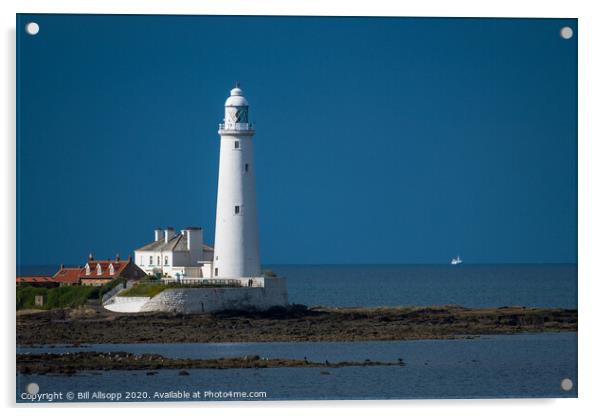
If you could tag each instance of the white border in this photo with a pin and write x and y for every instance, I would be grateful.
(590, 172)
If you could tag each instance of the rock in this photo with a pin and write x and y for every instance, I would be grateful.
(89, 361)
(294, 323)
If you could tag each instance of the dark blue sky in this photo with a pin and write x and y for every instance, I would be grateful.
(379, 140)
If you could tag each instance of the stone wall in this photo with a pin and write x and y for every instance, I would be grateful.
(116, 290)
(199, 300)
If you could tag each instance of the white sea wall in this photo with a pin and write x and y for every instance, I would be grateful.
(126, 304)
(199, 300)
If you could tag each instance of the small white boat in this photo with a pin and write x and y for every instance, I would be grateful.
(456, 260)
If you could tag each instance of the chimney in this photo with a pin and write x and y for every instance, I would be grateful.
(169, 233)
(90, 257)
(158, 234)
(117, 257)
(62, 266)
(194, 238)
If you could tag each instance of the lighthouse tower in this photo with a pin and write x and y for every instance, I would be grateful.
(236, 241)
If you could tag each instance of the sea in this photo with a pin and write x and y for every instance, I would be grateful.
(501, 366)
(474, 286)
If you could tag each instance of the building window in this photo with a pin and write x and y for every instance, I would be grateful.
(237, 144)
(237, 209)
(216, 272)
(246, 167)
(150, 260)
(158, 261)
(166, 260)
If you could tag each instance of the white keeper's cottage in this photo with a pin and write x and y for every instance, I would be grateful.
(177, 255)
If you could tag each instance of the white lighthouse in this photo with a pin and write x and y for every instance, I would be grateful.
(236, 239)
(227, 277)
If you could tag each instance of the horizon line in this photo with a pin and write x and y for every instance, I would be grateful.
(357, 264)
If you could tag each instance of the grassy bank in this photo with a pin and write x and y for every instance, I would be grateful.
(61, 297)
(153, 289)
(144, 290)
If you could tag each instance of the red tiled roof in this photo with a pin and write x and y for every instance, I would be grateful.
(73, 275)
(67, 275)
(34, 279)
(118, 266)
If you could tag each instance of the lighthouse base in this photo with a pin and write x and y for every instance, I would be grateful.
(200, 300)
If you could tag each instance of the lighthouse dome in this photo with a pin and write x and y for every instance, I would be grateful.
(236, 98)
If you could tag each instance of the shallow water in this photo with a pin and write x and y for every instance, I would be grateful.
(526, 365)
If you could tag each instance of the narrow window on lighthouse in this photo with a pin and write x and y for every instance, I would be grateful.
(246, 167)
(216, 271)
(237, 144)
(237, 209)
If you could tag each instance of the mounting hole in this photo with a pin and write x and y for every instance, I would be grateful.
(566, 32)
(566, 384)
(32, 28)
(33, 388)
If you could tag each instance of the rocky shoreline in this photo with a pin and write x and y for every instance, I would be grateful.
(72, 363)
(292, 324)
